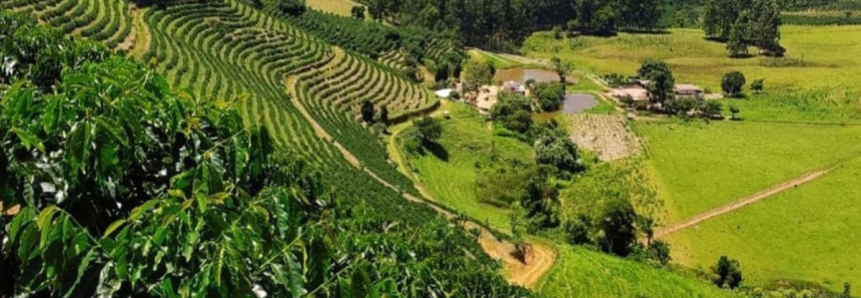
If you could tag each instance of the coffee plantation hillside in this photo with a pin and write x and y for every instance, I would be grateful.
(114, 184)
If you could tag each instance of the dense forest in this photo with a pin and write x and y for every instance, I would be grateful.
(180, 198)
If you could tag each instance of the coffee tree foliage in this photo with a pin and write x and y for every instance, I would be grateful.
(112, 184)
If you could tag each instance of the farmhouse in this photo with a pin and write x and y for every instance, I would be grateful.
(634, 91)
(514, 87)
(638, 92)
(687, 90)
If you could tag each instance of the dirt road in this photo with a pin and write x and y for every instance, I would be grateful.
(540, 258)
(791, 184)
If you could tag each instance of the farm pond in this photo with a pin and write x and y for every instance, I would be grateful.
(521, 75)
(574, 103)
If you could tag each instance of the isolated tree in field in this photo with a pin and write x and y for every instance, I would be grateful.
(517, 220)
(367, 112)
(847, 291)
(430, 128)
(757, 86)
(358, 12)
(734, 110)
(562, 68)
(661, 81)
(733, 83)
(727, 273)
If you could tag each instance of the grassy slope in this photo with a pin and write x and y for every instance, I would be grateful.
(578, 272)
(703, 166)
(450, 176)
(809, 233)
(583, 273)
(829, 54)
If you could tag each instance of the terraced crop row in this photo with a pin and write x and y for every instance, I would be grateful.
(229, 51)
(102, 20)
(394, 59)
(334, 94)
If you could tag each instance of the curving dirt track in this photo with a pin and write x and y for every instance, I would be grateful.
(663, 232)
(539, 259)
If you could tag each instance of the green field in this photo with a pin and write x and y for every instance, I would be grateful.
(818, 58)
(698, 166)
(806, 120)
(808, 233)
(580, 272)
(449, 171)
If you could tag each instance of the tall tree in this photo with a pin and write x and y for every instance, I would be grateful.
(732, 83)
(727, 273)
(660, 80)
(616, 222)
(765, 27)
(562, 68)
(719, 16)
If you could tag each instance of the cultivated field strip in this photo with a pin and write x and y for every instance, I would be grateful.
(229, 52)
(608, 136)
(105, 21)
(332, 95)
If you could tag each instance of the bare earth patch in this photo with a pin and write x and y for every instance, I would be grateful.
(608, 136)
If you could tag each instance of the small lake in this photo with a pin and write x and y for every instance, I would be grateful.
(574, 103)
(521, 75)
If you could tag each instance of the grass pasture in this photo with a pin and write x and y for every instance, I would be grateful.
(580, 272)
(818, 57)
(697, 167)
(807, 233)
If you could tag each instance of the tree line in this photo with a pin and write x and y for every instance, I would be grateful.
(744, 23)
(503, 25)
